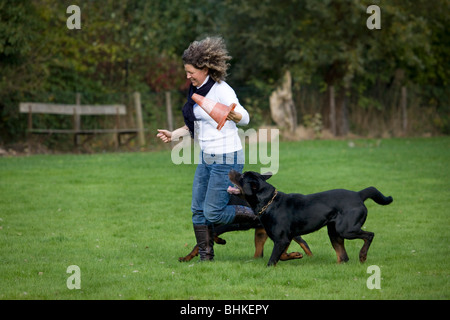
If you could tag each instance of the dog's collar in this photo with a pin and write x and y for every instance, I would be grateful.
(268, 204)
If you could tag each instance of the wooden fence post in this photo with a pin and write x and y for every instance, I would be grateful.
(140, 123)
(332, 110)
(76, 118)
(403, 103)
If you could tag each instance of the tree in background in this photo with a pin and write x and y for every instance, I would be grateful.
(327, 42)
(133, 45)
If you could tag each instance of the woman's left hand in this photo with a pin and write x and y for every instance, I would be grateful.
(234, 116)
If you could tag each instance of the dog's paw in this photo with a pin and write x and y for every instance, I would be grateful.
(290, 256)
(219, 240)
(184, 259)
(295, 255)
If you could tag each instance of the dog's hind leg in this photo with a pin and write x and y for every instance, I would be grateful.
(260, 239)
(355, 232)
(304, 245)
(338, 243)
(367, 236)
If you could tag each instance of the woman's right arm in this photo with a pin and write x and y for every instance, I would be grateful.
(167, 136)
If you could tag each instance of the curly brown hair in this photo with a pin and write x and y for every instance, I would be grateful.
(211, 53)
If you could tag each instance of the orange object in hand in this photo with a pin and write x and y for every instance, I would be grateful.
(216, 110)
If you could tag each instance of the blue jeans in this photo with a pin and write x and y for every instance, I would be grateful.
(209, 190)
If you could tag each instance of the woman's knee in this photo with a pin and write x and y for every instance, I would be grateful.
(223, 215)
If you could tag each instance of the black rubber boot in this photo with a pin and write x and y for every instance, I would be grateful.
(205, 242)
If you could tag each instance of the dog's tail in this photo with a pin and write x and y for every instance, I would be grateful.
(375, 195)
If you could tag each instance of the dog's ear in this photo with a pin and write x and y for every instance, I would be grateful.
(266, 175)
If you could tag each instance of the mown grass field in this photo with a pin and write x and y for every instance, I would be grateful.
(124, 219)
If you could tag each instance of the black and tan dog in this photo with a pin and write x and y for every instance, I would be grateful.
(260, 237)
(285, 216)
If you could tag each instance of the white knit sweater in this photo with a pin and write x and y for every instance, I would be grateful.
(227, 139)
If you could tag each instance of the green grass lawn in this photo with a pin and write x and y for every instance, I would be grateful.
(124, 219)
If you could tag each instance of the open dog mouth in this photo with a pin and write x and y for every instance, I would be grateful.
(233, 190)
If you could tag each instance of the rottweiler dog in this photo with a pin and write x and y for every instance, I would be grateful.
(285, 216)
(260, 236)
